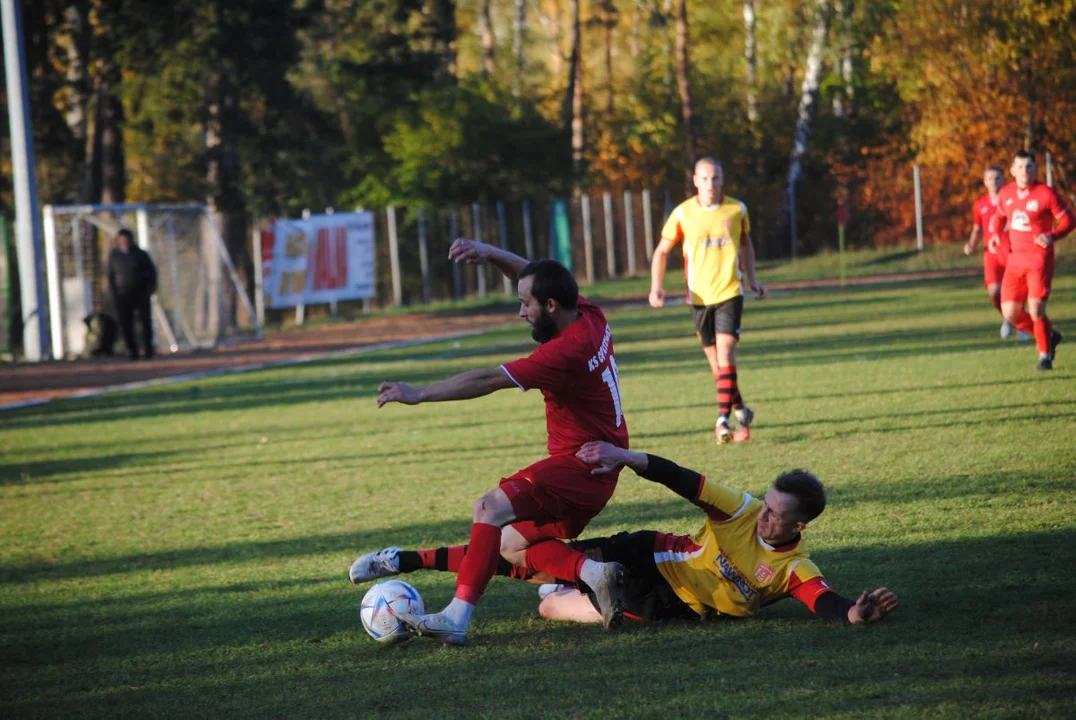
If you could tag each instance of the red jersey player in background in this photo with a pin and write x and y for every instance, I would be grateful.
(525, 517)
(994, 260)
(1037, 218)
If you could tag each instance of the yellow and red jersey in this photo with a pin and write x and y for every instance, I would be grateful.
(726, 568)
(711, 237)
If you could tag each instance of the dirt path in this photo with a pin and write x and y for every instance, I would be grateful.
(45, 381)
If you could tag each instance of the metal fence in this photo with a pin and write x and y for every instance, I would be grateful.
(199, 300)
(601, 236)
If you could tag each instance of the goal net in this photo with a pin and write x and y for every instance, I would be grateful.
(200, 301)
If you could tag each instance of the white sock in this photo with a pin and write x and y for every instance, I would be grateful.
(591, 573)
(459, 612)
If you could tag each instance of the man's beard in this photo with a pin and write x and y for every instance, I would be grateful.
(544, 328)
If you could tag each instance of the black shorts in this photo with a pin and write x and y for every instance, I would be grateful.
(647, 595)
(720, 319)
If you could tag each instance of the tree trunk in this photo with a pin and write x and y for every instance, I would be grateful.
(608, 21)
(751, 74)
(486, 38)
(843, 101)
(683, 84)
(666, 51)
(573, 100)
(808, 102)
(519, 32)
(78, 89)
(556, 54)
(108, 156)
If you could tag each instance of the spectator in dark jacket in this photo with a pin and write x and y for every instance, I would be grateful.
(132, 280)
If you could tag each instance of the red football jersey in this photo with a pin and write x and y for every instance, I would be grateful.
(982, 212)
(1030, 213)
(578, 377)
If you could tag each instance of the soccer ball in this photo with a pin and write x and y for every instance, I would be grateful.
(380, 606)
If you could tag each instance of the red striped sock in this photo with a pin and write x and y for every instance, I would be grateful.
(480, 562)
(728, 393)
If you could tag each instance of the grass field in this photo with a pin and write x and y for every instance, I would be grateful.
(182, 551)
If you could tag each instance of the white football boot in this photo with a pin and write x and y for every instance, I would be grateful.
(383, 563)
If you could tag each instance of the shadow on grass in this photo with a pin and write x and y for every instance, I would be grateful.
(965, 637)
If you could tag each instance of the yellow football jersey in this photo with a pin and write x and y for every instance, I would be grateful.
(726, 568)
(711, 238)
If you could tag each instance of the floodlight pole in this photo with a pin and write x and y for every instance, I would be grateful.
(35, 338)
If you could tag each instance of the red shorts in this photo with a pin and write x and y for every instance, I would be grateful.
(557, 497)
(993, 268)
(1027, 276)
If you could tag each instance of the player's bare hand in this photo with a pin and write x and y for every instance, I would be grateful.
(605, 455)
(872, 606)
(389, 392)
(993, 243)
(469, 252)
(759, 288)
(1043, 240)
(968, 249)
(657, 298)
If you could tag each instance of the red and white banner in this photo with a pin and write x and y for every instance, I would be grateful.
(318, 260)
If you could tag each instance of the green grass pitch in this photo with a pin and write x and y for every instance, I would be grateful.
(183, 550)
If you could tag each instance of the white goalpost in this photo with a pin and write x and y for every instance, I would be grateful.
(200, 301)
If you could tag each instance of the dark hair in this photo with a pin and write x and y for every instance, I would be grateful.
(552, 280)
(1024, 154)
(127, 234)
(807, 489)
(995, 168)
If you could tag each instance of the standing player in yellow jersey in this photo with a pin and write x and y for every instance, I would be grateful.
(717, 246)
(748, 554)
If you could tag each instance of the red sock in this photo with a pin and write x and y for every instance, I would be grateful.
(1042, 334)
(728, 393)
(555, 558)
(1024, 323)
(480, 562)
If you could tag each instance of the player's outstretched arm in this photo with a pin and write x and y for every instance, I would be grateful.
(466, 385)
(608, 457)
(473, 252)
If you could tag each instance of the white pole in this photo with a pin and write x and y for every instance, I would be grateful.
(629, 232)
(52, 263)
(394, 257)
(423, 255)
(502, 230)
(588, 240)
(142, 228)
(528, 231)
(610, 236)
(476, 221)
(457, 289)
(648, 226)
(259, 274)
(35, 337)
(1049, 170)
(918, 209)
